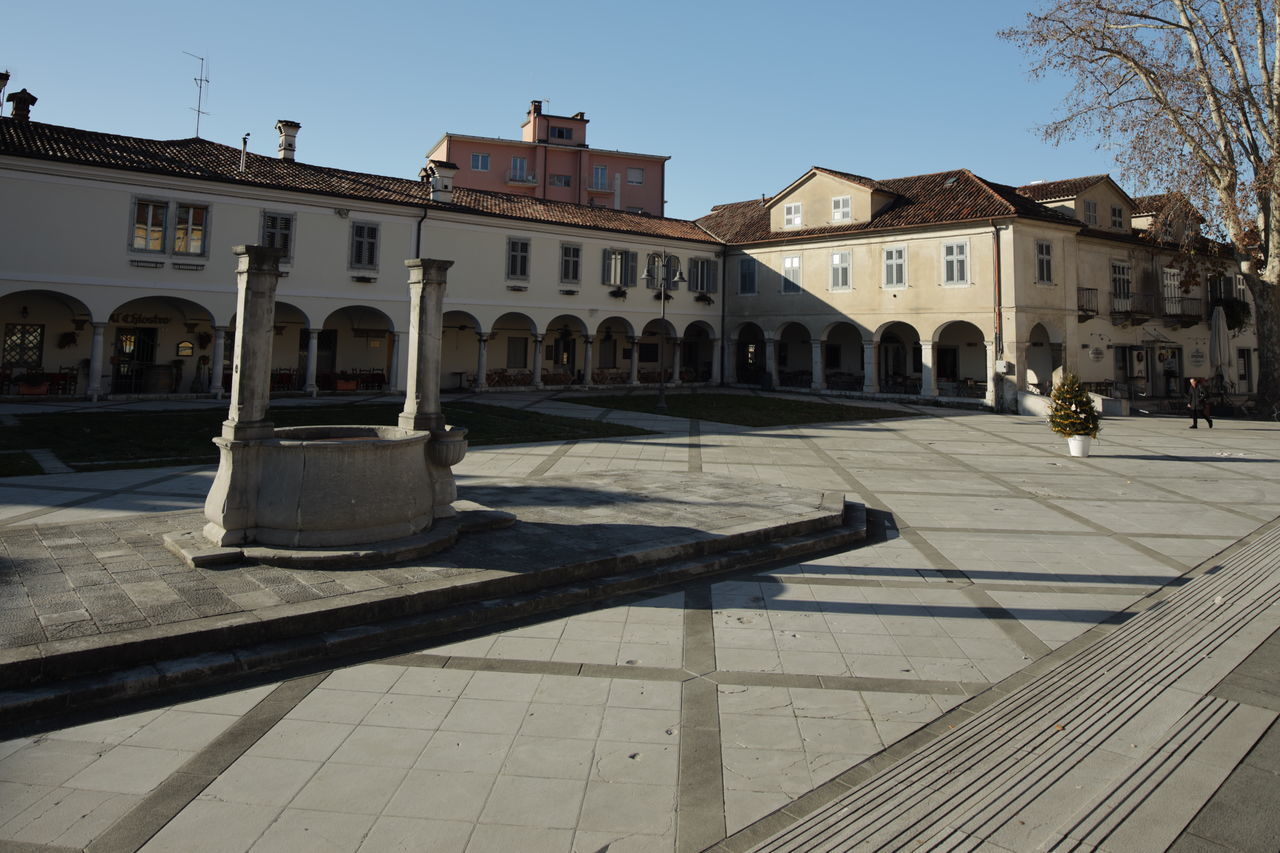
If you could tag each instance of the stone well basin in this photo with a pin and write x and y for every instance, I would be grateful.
(321, 486)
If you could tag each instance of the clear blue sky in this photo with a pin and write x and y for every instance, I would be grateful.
(744, 96)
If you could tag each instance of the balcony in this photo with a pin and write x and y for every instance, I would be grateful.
(1086, 303)
(1132, 308)
(523, 179)
(1183, 311)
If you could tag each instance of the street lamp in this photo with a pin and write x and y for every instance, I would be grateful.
(665, 282)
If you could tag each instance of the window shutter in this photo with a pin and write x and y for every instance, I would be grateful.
(629, 274)
(604, 270)
(713, 277)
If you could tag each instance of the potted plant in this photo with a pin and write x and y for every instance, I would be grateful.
(33, 382)
(618, 293)
(1071, 414)
(346, 382)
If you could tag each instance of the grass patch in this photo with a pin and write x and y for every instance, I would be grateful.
(18, 465)
(100, 440)
(740, 409)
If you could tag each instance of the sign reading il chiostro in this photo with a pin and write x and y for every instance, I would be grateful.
(139, 319)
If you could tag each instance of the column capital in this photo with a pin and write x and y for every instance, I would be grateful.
(428, 270)
(258, 258)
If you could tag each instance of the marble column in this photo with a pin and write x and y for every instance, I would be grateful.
(819, 380)
(870, 368)
(716, 361)
(635, 361)
(399, 362)
(313, 357)
(537, 360)
(730, 360)
(94, 378)
(678, 347)
(257, 274)
(219, 356)
(587, 360)
(771, 361)
(928, 376)
(990, 398)
(426, 332)
(482, 362)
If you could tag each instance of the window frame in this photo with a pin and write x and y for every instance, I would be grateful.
(632, 172)
(598, 171)
(560, 133)
(576, 261)
(957, 277)
(1121, 273)
(35, 348)
(370, 243)
(1117, 217)
(521, 174)
(291, 232)
(703, 273)
(203, 251)
(792, 214)
(621, 267)
(841, 268)
(747, 276)
(561, 181)
(792, 275)
(842, 209)
(1091, 212)
(481, 157)
(1044, 262)
(135, 204)
(890, 262)
(517, 264)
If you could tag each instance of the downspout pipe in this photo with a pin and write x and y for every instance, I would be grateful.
(997, 297)
(417, 234)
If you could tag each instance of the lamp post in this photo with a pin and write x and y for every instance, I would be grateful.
(665, 281)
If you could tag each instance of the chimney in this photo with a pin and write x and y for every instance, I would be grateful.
(22, 102)
(288, 131)
(439, 173)
(535, 108)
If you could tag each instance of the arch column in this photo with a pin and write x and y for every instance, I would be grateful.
(870, 368)
(313, 355)
(399, 362)
(819, 380)
(587, 361)
(219, 356)
(716, 361)
(482, 361)
(677, 346)
(990, 398)
(730, 350)
(537, 360)
(771, 362)
(95, 361)
(635, 361)
(928, 376)
(1020, 364)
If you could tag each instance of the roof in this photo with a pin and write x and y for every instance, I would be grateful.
(922, 200)
(1057, 190)
(202, 159)
(869, 183)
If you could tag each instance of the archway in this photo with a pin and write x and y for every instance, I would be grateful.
(1041, 359)
(509, 354)
(843, 358)
(697, 352)
(749, 355)
(47, 344)
(458, 349)
(614, 352)
(158, 345)
(363, 341)
(960, 360)
(565, 351)
(793, 351)
(901, 365)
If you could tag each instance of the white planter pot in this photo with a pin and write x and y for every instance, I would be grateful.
(1079, 444)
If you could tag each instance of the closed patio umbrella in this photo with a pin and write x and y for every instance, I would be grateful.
(1219, 346)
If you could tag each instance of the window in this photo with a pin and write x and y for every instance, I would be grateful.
(1218, 287)
(148, 225)
(479, 162)
(561, 181)
(703, 275)
(635, 175)
(655, 278)
(519, 169)
(517, 257)
(1121, 280)
(599, 178)
(841, 209)
(895, 267)
(620, 268)
(570, 263)
(23, 345)
(955, 263)
(277, 232)
(747, 276)
(1117, 216)
(1090, 212)
(565, 133)
(1044, 262)
(840, 271)
(188, 231)
(364, 245)
(517, 353)
(791, 215)
(1242, 288)
(791, 275)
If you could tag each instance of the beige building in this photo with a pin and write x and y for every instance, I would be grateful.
(117, 278)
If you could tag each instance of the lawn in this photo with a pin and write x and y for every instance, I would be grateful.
(98, 440)
(741, 409)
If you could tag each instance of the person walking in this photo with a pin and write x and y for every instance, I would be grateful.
(1199, 404)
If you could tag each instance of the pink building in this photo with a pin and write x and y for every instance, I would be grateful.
(552, 160)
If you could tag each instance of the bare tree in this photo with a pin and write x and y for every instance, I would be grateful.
(1185, 92)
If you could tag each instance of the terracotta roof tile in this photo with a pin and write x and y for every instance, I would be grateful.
(1066, 188)
(922, 200)
(204, 160)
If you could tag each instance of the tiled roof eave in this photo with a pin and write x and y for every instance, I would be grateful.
(474, 211)
(832, 235)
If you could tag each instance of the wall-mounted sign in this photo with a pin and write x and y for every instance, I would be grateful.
(1197, 357)
(139, 319)
(1097, 353)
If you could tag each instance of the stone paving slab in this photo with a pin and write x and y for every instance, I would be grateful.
(80, 599)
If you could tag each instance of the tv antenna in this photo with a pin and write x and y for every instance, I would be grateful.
(201, 82)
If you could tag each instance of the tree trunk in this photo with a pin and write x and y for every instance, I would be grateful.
(1266, 319)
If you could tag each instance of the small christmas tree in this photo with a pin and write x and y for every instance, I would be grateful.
(1071, 410)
